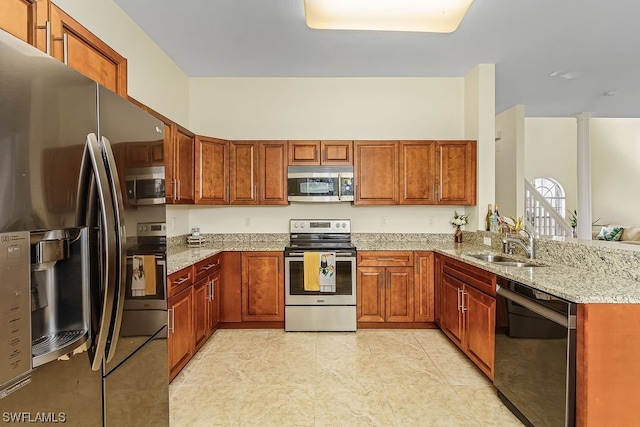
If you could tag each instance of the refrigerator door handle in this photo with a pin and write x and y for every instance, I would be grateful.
(94, 180)
(119, 260)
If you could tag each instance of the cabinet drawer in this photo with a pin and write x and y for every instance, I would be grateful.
(179, 280)
(205, 267)
(385, 259)
(473, 276)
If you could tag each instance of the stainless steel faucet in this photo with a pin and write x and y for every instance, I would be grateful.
(508, 242)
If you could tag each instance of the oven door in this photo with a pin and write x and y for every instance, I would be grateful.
(146, 282)
(345, 293)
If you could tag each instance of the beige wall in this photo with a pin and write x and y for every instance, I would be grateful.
(480, 110)
(153, 78)
(615, 167)
(510, 161)
(550, 150)
(328, 108)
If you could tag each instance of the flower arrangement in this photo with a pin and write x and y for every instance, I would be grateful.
(459, 219)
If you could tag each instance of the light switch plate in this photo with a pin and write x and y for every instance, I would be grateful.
(487, 241)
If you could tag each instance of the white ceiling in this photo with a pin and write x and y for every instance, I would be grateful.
(598, 40)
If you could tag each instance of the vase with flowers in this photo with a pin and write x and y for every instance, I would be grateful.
(457, 221)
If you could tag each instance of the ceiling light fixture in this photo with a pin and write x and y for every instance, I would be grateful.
(436, 16)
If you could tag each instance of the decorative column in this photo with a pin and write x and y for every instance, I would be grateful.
(584, 177)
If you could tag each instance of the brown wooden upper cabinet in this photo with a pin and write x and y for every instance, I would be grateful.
(81, 50)
(456, 177)
(144, 154)
(47, 27)
(376, 172)
(212, 171)
(314, 153)
(417, 172)
(258, 173)
(28, 20)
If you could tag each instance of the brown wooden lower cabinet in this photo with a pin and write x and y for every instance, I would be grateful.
(385, 286)
(467, 315)
(262, 286)
(424, 287)
(230, 287)
(181, 345)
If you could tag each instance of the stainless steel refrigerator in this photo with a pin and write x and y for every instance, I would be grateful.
(70, 350)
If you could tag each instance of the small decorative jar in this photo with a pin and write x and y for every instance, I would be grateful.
(457, 236)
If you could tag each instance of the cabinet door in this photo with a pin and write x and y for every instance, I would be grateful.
(84, 52)
(480, 311)
(230, 287)
(27, 20)
(180, 331)
(417, 172)
(456, 172)
(336, 152)
(262, 286)
(399, 297)
(243, 173)
(273, 173)
(183, 163)
(214, 302)
(376, 172)
(371, 282)
(201, 326)
(304, 153)
(451, 319)
(212, 171)
(424, 287)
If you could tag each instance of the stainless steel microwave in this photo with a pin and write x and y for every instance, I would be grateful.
(145, 186)
(320, 183)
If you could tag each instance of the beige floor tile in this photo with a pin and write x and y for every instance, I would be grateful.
(458, 370)
(357, 370)
(341, 342)
(428, 405)
(487, 408)
(350, 406)
(367, 378)
(395, 369)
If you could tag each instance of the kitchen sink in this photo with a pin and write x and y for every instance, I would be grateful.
(503, 261)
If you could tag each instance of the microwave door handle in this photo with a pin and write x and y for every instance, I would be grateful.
(339, 186)
(119, 259)
(108, 230)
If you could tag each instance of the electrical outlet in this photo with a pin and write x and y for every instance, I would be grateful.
(487, 241)
(431, 221)
(383, 221)
(247, 221)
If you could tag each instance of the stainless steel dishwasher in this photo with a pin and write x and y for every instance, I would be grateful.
(535, 359)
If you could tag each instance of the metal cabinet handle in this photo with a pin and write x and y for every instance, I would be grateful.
(47, 28)
(459, 299)
(181, 280)
(179, 189)
(65, 47)
(255, 192)
(385, 259)
(171, 320)
(464, 306)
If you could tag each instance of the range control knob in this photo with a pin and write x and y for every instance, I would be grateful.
(344, 225)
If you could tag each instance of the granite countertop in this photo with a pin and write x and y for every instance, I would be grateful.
(570, 283)
(181, 257)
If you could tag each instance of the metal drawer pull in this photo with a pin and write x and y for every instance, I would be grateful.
(181, 280)
(386, 259)
(171, 320)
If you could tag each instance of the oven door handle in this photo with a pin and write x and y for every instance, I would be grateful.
(568, 322)
(338, 254)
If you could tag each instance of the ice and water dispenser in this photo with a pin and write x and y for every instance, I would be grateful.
(45, 301)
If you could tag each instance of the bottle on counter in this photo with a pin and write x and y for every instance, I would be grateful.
(487, 220)
(495, 220)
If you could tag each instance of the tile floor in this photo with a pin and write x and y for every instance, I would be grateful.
(366, 378)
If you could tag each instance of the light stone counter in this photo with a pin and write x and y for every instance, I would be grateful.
(573, 284)
(181, 256)
(572, 274)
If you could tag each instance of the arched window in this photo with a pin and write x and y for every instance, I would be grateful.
(545, 208)
(553, 192)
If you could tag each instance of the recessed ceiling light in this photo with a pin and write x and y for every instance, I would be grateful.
(570, 75)
(437, 16)
(609, 93)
